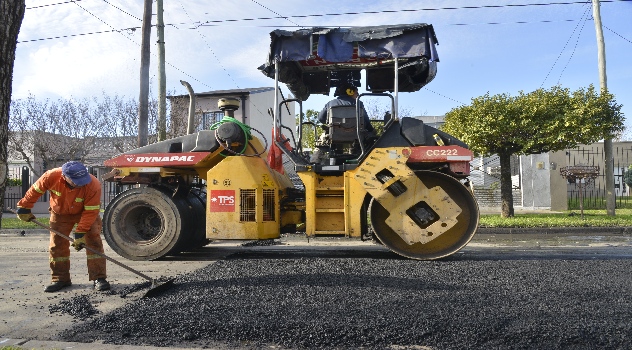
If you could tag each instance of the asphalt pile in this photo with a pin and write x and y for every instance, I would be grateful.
(340, 303)
(78, 307)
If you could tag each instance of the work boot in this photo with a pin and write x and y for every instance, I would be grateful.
(57, 285)
(101, 284)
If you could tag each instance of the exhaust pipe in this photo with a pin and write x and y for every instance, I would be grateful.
(191, 106)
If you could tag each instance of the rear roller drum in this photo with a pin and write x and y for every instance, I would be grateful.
(441, 230)
(147, 223)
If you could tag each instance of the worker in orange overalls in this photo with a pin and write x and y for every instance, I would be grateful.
(75, 198)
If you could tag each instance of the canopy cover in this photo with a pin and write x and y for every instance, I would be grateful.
(314, 60)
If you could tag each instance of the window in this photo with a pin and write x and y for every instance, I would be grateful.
(210, 118)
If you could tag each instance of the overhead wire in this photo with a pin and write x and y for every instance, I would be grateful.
(273, 26)
(174, 67)
(280, 91)
(47, 5)
(564, 48)
(284, 17)
(408, 10)
(215, 23)
(576, 43)
(617, 34)
(120, 9)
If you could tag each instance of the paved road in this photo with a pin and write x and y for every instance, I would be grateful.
(26, 310)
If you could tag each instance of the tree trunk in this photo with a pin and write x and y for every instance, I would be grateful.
(11, 15)
(506, 195)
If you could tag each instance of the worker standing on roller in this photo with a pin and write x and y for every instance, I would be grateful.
(75, 198)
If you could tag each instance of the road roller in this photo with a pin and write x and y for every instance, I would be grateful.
(406, 188)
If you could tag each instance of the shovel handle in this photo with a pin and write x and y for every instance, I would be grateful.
(88, 248)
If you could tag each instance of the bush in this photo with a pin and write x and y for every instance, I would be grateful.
(14, 182)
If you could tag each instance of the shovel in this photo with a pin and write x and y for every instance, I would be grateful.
(155, 288)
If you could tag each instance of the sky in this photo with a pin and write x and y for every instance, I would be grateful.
(84, 48)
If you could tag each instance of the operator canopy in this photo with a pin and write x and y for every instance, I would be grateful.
(311, 61)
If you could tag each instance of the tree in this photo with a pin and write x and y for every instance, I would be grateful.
(536, 122)
(11, 15)
(52, 132)
(55, 131)
(311, 132)
(375, 111)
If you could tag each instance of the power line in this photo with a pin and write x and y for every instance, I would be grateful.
(174, 67)
(196, 27)
(619, 35)
(409, 10)
(205, 24)
(286, 18)
(574, 48)
(47, 5)
(81, 34)
(120, 9)
(449, 98)
(563, 48)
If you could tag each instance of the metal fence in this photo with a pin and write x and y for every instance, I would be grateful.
(595, 190)
(13, 194)
(485, 175)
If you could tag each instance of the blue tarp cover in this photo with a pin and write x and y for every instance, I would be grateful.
(313, 60)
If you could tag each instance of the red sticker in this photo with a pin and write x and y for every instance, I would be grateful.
(222, 201)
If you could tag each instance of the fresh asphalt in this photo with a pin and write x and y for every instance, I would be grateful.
(24, 265)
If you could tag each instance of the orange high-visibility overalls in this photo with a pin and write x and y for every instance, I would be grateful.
(70, 206)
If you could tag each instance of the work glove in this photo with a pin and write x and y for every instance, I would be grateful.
(80, 241)
(25, 214)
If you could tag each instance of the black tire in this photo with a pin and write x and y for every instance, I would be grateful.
(147, 223)
(197, 202)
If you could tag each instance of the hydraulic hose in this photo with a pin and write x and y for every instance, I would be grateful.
(245, 128)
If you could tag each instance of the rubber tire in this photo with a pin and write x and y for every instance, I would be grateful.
(139, 210)
(197, 203)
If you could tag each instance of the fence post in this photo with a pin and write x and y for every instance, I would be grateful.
(26, 180)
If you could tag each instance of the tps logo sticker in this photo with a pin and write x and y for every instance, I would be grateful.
(222, 201)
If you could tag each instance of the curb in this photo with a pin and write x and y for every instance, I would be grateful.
(626, 230)
(591, 230)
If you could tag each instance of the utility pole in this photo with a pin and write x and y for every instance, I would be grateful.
(143, 96)
(162, 83)
(603, 82)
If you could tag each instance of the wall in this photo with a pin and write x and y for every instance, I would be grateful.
(260, 119)
(559, 201)
(535, 181)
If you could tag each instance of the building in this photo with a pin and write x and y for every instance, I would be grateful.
(253, 112)
(255, 104)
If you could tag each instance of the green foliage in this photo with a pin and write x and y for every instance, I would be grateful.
(592, 218)
(535, 122)
(627, 176)
(10, 221)
(14, 182)
(310, 133)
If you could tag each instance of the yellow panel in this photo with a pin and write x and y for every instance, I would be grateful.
(395, 161)
(330, 222)
(226, 182)
(330, 202)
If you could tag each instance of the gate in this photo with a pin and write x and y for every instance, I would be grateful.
(20, 179)
(595, 191)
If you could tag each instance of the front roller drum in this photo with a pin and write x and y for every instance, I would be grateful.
(462, 215)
